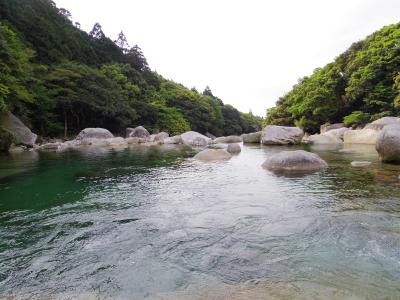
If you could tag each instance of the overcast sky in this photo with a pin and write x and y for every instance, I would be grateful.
(249, 52)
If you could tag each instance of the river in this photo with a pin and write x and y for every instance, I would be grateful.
(150, 222)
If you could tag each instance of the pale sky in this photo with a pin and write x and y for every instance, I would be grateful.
(248, 52)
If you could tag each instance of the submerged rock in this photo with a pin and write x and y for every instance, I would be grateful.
(50, 146)
(234, 148)
(227, 139)
(94, 133)
(195, 139)
(254, 137)
(360, 164)
(139, 132)
(298, 160)
(281, 135)
(388, 143)
(213, 154)
(23, 135)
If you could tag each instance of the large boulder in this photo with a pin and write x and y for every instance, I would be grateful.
(324, 139)
(360, 136)
(227, 139)
(388, 143)
(23, 135)
(213, 154)
(234, 148)
(139, 132)
(327, 127)
(295, 161)
(281, 135)
(195, 139)
(254, 137)
(94, 133)
(382, 122)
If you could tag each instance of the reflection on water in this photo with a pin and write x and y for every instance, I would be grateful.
(151, 222)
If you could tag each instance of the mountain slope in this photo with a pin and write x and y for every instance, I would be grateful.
(60, 79)
(361, 85)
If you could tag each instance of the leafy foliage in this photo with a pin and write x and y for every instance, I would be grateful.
(361, 85)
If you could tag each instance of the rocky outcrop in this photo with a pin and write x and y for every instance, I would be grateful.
(94, 133)
(281, 135)
(213, 154)
(195, 139)
(388, 143)
(227, 139)
(327, 127)
(139, 132)
(23, 135)
(287, 161)
(254, 137)
(360, 136)
(234, 148)
(382, 122)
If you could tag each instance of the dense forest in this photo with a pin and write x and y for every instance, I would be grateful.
(59, 79)
(361, 85)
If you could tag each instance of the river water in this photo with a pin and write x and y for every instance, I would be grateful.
(150, 222)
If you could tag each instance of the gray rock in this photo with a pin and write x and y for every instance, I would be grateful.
(299, 160)
(338, 133)
(234, 148)
(160, 137)
(195, 139)
(327, 127)
(213, 154)
(388, 143)
(173, 140)
(361, 136)
(24, 136)
(281, 135)
(94, 133)
(324, 139)
(254, 137)
(382, 122)
(227, 139)
(210, 135)
(360, 164)
(132, 140)
(139, 132)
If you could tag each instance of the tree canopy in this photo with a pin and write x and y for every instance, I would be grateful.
(60, 79)
(360, 86)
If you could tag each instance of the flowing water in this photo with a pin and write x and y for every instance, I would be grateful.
(151, 222)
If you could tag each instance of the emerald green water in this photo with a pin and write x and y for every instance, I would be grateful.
(151, 222)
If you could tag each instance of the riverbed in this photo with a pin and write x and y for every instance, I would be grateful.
(150, 222)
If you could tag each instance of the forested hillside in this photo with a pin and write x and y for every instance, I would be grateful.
(361, 85)
(60, 79)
